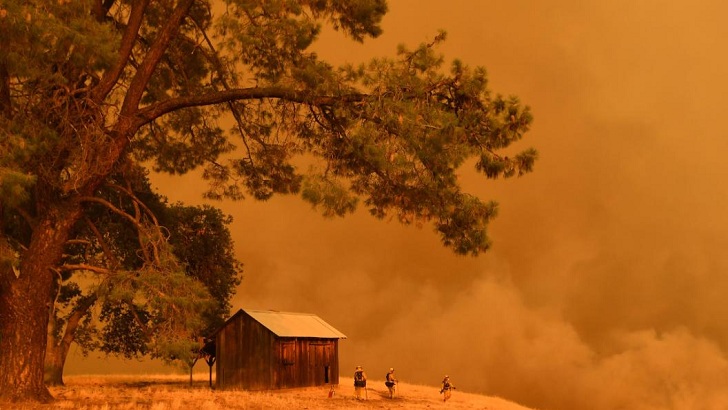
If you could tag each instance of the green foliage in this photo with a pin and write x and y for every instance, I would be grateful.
(330, 195)
(43, 36)
(9, 259)
(401, 147)
(124, 333)
(183, 141)
(14, 187)
(152, 309)
(153, 304)
(201, 241)
(357, 18)
(392, 132)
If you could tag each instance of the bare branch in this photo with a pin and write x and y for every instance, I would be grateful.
(113, 208)
(77, 242)
(131, 194)
(84, 266)
(143, 232)
(113, 260)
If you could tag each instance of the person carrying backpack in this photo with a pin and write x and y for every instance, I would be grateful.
(447, 388)
(390, 382)
(360, 382)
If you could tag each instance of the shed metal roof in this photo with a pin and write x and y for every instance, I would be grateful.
(289, 324)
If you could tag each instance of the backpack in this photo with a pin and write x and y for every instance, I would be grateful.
(359, 379)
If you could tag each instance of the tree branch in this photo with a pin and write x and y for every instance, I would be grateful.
(113, 208)
(78, 242)
(113, 261)
(134, 198)
(146, 329)
(127, 45)
(74, 319)
(141, 229)
(154, 55)
(215, 60)
(84, 266)
(154, 111)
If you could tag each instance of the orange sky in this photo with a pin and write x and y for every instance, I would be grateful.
(606, 283)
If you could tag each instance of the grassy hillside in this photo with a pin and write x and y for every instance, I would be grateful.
(121, 392)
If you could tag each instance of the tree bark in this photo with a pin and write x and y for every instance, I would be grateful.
(54, 362)
(5, 101)
(26, 296)
(5, 105)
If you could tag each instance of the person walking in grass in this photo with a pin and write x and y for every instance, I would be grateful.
(360, 382)
(391, 382)
(447, 388)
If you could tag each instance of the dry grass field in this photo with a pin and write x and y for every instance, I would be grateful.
(120, 392)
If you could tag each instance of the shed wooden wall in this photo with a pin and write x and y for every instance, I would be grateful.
(251, 357)
(306, 362)
(245, 352)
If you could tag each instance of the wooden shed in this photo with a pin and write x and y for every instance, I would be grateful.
(265, 349)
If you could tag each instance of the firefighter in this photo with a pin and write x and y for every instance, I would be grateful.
(447, 388)
(391, 382)
(360, 382)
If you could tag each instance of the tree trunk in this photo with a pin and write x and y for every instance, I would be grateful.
(59, 345)
(210, 361)
(54, 362)
(6, 108)
(26, 296)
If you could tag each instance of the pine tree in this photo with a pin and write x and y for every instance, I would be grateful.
(92, 88)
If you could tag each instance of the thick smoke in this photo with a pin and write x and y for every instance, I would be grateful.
(605, 287)
(409, 310)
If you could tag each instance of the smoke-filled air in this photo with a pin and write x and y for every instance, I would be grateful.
(606, 282)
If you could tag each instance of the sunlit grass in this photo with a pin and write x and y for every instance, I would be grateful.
(173, 392)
